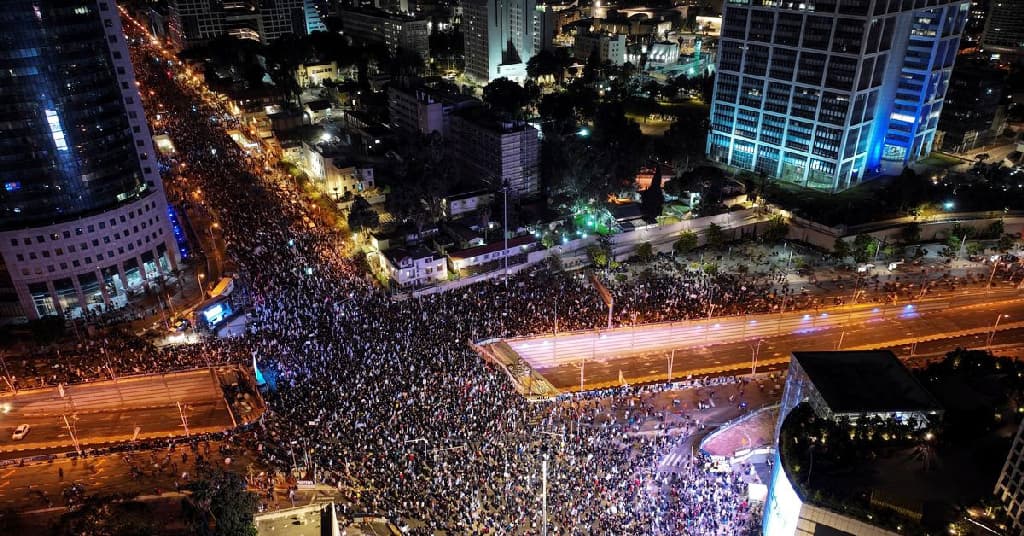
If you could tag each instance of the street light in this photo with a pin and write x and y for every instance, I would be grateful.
(992, 333)
(544, 491)
(754, 350)
(199, 279)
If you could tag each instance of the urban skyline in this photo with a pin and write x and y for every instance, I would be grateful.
(503, 267)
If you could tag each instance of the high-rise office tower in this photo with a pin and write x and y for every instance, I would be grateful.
(498, 38)
(1004, 27)
(827, 93)
(83, 216)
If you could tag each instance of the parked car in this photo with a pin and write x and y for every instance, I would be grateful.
(20, 432)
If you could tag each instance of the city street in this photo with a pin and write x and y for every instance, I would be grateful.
(642, 354)
(106, 412)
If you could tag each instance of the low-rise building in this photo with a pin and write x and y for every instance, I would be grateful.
(318, 111)
(492, 256)
(459, 204)
(609, 47)
(866, 402)
(331, 173)
(315, 74)
(415, 266)
(501, 152)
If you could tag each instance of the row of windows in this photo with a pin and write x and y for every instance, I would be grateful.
(72, 248)
(79, 231)
(89, 260)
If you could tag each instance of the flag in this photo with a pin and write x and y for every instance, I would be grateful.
(256, 369)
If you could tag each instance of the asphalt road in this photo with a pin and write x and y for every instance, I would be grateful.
(854, 331)
(51, 434)
(152, 390)
(106, 412)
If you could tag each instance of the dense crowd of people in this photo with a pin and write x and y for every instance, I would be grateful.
(384, 397)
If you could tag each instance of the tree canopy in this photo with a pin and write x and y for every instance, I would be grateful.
(220, 505)
(506, 96)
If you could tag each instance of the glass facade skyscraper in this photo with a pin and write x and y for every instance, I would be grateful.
(65, 135)
(82, 209)
(826, 93)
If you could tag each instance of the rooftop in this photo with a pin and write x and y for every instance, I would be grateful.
(497, 245)
(871, 381)
(890, 472)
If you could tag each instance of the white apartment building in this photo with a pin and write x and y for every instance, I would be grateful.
(495, 251)
(498, 152)
(499, 38)
(332, 174)
(314, 75)
(609, 47)
(413, 267)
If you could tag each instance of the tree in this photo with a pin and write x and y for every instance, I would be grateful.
(652, 200)
(221, 506)
(645, 252)
(840, 249)
(863, 247)
(686, 243)
(598, 256)
(776, 230)
(1005, 243)
(362, 217)
(108, 516)
(994, 230)
(546, 63)
(506, 96)
(910, 233)
(715, 236)
(910, 187)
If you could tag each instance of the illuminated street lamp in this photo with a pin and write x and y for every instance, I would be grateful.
(992, 333)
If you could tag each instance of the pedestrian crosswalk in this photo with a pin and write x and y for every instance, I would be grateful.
(671, 462)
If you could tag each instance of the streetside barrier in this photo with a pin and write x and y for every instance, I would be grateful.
(722, 428)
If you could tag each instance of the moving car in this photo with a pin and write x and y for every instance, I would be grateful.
(20, 432)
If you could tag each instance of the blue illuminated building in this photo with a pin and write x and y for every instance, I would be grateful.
(827, 93)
